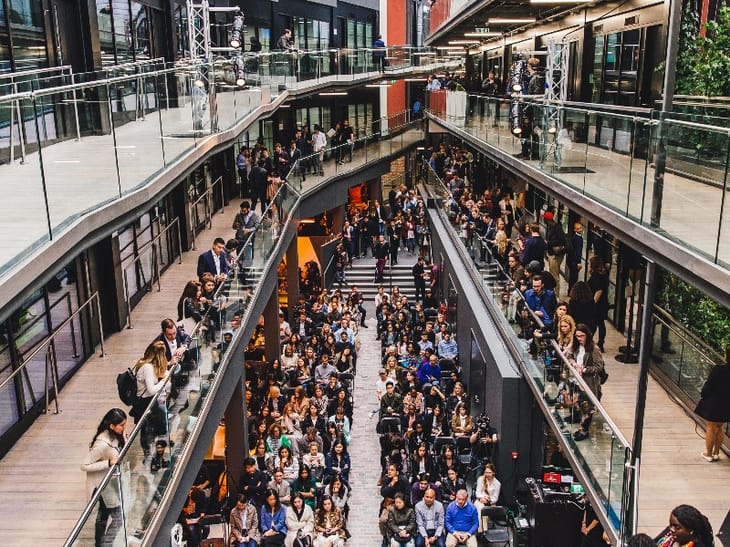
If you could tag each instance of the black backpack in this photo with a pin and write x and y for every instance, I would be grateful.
(127, 387)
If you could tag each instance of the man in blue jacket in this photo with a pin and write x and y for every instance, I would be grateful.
(462, 521)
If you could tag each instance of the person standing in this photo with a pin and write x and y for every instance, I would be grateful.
(714, 407)
(557, 247)
(598, 282)
(687, 528)
(419, 278)
(382, 251)
(258, 180)
(214, 262)
(103, 454)
(379, 53)
(242, 164)
(575, 254)
(319, 142)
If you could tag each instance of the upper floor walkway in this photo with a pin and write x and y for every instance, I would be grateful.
(90, 150)
(660, 182)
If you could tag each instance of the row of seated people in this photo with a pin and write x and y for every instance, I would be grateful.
(430, 446)
(295, 487)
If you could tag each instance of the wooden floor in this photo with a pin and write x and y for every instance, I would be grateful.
(614, 179)
(77, 177)
(41, 475)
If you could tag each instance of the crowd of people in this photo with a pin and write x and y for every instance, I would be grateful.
(437, 460)
(530, 258)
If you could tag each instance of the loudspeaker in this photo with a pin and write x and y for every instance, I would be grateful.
(557, 525)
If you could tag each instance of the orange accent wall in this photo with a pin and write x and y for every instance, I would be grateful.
(397, 98)
(439, 14)
(396, 22)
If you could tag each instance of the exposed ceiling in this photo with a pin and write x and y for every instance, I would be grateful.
(485, 15)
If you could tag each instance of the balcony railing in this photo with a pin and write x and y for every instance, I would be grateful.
(93, 142)
(640, 163)
(604, 456)
(185, 414)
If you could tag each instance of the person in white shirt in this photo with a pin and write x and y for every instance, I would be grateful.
(380, 383)
(152, 372)
(319, 142)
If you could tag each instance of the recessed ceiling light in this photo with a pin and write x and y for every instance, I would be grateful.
(510, 20)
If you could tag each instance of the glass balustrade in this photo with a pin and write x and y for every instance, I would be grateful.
(599, 447)
(79, 141)
(641, 163)
(131, 485)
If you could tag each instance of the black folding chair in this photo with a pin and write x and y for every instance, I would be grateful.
(496, 529)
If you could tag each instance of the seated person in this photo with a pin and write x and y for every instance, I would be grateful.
(461, 521)
(430, 520)
(447, 348)
(418, 489)
(462, 424)
(315, 460)
(281, 487)
(244, 523)
(450, 485)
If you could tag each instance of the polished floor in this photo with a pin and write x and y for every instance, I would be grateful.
(42, 472)
(692, 211)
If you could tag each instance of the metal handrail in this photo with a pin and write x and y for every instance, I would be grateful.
(90, 507)
(141, 253)
(207, 195)
(687, 336)
(185, 64)
(94, 298)
(577, 377)
(113, 470)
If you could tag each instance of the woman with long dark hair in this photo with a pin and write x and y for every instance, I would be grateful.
(582, 308)
(103, 453)
(273, 520)
(299, 522)
(586, 358)
(687, 528)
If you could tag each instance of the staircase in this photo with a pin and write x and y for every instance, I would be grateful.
(362, 275)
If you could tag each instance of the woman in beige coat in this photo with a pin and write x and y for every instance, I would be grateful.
(104, 454)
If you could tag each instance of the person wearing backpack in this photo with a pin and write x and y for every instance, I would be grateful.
(152, 373)
(104, 453)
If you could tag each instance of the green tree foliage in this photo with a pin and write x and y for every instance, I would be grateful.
(703, 63)
(697, 312)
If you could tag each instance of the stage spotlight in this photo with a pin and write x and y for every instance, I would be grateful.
(237, 31)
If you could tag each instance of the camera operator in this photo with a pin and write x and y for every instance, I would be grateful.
(483, 441)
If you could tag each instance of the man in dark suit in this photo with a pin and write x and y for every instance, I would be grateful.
(177, 343)
(214, 261)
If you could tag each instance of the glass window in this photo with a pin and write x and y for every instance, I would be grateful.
(141, 28)
(106, 34)
(4, 53)
(361, 35)
(29, 42)
(27, 13)
(121, 25)
(351, 34)
(265, 38)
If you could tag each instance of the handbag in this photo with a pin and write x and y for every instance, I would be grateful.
(302, 540)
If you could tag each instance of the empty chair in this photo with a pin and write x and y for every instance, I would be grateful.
(440, 442)
(390, 423)
(496, 528)
(463, 449)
